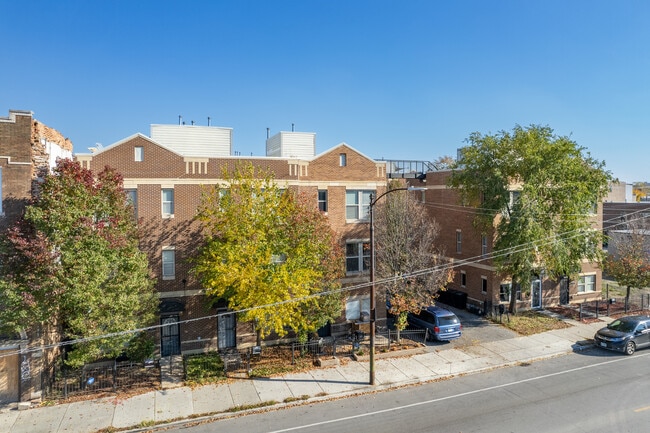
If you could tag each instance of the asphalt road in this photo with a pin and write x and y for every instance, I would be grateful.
(590, 391)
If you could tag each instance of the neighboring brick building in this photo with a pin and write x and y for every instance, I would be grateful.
(28, 149)
(470, 251)
(164, 175)
(623, 217)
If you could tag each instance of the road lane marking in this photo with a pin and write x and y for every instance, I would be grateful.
(450, 397)
(642, 409)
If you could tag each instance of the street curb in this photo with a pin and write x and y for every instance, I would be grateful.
(199, 419)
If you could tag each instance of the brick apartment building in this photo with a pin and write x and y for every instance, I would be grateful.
(470, 251)
(28, 148)
(164, 174)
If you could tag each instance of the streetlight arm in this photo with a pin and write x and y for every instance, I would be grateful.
(405, 188)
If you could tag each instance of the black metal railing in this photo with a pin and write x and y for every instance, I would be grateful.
(59, 381)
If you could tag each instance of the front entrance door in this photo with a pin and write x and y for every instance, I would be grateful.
(170, 341)
(564, 291)
(536, 290)
(226, 325)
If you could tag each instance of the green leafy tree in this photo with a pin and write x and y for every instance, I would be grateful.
(630, 266)
(536, 192)
(72, 264)
(270, 254)
(408, 263)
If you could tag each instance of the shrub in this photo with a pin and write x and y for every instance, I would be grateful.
(204, 368)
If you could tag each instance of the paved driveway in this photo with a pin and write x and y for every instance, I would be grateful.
(476, 330)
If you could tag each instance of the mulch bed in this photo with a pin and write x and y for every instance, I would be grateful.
(589, 312)
(573, 314)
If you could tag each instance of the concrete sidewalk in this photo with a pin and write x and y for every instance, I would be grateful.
(321, 383)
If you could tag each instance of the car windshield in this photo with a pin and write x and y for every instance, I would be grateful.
(622, 326)
(447, 320)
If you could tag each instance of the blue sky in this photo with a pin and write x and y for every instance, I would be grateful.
(393, 79)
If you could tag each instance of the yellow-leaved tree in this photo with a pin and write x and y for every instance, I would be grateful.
(270, 254)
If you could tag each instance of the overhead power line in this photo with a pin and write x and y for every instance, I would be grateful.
(444, 267)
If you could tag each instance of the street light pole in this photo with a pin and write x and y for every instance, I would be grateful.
(373, 301)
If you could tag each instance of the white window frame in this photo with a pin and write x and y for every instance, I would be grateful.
(587, 287)
(484, 245)
(132, 198)
(322, 200)
(168, 261)
(138, 153)
(343, 159)
(484, 284)
(357, 204)
(361, 258)
(463, 279)
(355, 305)
(508, 287)
(514, 197)
(459, 241)
(169, 212)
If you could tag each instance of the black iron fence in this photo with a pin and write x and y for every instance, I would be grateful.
(59, 381)
(357, 341)
(639, 303)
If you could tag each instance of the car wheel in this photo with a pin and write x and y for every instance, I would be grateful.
(630, 347)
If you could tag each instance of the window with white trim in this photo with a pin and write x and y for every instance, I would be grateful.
(322, 200)
(343, 159)
(355, 306)
(139, 153)
(357, 204)
(463, 279)
(505, 290)
(167, 202)
(587, 283)
(459, 241)
(169, 263)
(484, 245)
(514, 198)
(484, 284)
(132, 199)
(357, 256)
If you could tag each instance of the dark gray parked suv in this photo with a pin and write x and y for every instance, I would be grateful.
(625, 334)
(442, 324)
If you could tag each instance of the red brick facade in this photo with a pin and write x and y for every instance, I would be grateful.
(474, 271)
(161, 168)
(27, 148)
